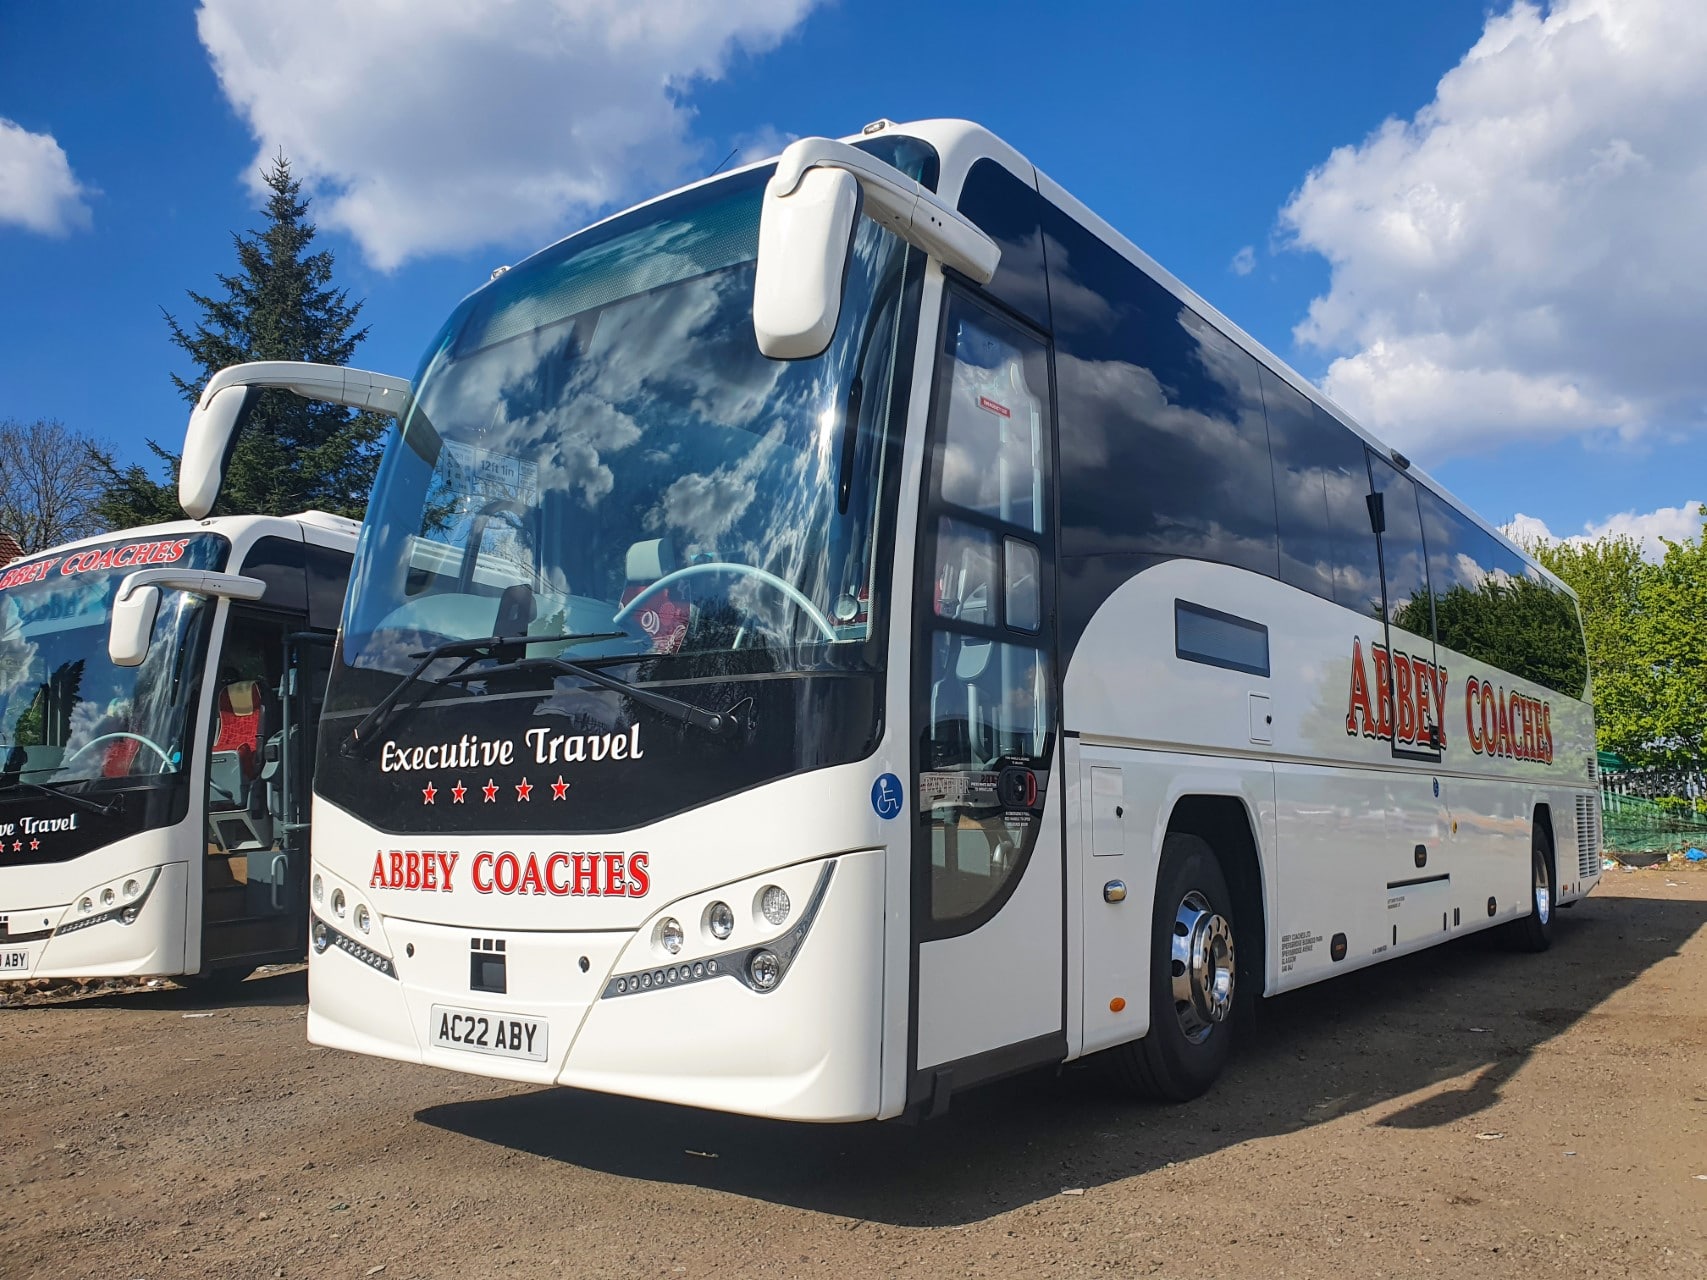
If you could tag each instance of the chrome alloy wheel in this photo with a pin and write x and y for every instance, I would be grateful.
(1202, 967)
(1543, 892)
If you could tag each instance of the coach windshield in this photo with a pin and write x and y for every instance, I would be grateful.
(599, 457)
(67, 714)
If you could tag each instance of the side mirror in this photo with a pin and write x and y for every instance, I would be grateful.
(812, 205)
(133, 626)
(136, 605)
(229, 398)
(214, 424)
(805, 239)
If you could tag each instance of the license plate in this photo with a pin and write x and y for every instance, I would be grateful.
(14, 961)
(503, 1035)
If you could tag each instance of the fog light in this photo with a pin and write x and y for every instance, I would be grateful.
(108, 897)
(338, 903)
(322, 936)
(720, 920)
(319, 889)
(364, 918)
(670, 934)
(774, 904)
(86, 906)
(128, 915)
(131, 888)
(764, 969)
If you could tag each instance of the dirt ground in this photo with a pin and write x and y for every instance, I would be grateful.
(1465, 1112)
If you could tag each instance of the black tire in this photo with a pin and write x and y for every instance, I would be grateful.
(1535, 931)
(1184, 1051)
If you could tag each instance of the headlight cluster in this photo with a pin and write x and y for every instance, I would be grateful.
(343, 921)
(753, 953)
(361, 915)
(120, 900)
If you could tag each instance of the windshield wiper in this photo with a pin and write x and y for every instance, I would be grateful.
(713, 722)
(82, 802)
(471, 649)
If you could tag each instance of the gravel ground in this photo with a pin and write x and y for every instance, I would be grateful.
(1464, 1112)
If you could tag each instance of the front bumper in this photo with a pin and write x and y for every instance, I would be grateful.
(809, 1048)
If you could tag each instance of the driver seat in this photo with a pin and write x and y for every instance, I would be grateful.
(662, 616)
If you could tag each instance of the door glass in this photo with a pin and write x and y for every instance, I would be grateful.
(988, 713)
(246, 715)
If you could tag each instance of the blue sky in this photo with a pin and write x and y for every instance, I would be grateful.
(1472, 224)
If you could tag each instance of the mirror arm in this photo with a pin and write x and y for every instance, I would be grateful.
(334, 384)
(893, 200)
(235, 586)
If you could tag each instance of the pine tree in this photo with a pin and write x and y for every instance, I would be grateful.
(280, 304)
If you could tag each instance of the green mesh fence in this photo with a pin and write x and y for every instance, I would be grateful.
(1638, 825)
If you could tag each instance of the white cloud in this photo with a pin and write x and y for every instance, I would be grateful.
(431, 125)
(1524, 257)
(1679, 524)
(38, 191)
(1244, 261)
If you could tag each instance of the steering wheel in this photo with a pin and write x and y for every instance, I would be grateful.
(155, 747)
(793, 593)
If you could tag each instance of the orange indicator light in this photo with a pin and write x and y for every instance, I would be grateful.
(1117, 1004)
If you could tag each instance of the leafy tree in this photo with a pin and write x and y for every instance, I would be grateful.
(1608, 576)
(280, 304)
(1672, 633)
(50, 484)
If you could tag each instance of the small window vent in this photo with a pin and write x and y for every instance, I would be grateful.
(1588, 836)
(1593, 767)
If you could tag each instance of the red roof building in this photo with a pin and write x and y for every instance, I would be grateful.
(9, 548)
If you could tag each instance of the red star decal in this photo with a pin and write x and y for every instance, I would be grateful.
(559, 789)
(34, 845)
(490, 791)
(17, 846)
(428, 792)
(458, 792)
(524, 789)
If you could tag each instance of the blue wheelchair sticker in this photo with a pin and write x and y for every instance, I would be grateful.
(886, 796)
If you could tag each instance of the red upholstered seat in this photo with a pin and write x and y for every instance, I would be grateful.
(239, 727)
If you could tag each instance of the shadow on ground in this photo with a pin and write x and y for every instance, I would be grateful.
(274, 986)
(1464, 1009)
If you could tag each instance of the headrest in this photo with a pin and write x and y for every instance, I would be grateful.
(648, 561)
(243, 697)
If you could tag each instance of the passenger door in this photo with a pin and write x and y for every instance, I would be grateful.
(988, 872)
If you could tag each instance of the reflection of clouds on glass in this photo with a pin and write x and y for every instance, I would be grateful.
(1075, 305)
(707, 506)
(622, 399)
(17, 653)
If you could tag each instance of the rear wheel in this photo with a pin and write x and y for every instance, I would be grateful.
(1193, 966)
(1535, 931)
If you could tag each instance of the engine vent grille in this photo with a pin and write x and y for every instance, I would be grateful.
(1593, 770)
(1588, 835)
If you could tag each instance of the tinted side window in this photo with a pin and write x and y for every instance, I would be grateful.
(1402, 557)
(279, 563)
(1345, 475)
(328, 576)
(1010, 212)
(1494, 607)
(1164, 447)
(1302, 447)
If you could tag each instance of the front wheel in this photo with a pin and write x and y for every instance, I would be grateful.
(1193, 966)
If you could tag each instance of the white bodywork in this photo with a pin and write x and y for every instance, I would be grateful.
(859, 1021)
(166, 863)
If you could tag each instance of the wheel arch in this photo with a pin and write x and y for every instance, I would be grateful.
(1226, 824)
(1543, 822)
